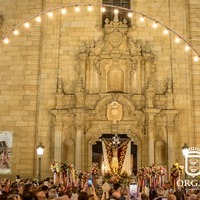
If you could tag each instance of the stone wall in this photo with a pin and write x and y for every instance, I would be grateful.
(33, 61)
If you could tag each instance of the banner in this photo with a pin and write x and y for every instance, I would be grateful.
(6, 138)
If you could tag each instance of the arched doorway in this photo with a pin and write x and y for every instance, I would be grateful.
(97, 151)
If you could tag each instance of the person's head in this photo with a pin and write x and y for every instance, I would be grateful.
(41, 195)
(64, 197)
(52, 194)
(3, 197)
(160, 192)
(92, 197)
(69, 193)
(117, 187)
(83, 196)
(144, 197)
(198, 196)
(12, 196)
(124, 191)
(190, 191)
(192, 197)
(34, 189)
(44, 188)
(75, 190)
(167, 185)
(28, 196)
(111, 191)
(171, 196)
(117, 190)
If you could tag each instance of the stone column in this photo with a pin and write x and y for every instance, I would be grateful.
(78, 149)
(171, 114)
(140, 72)
(79, 126)
(58, 139)
(151, 134)
(89, 160)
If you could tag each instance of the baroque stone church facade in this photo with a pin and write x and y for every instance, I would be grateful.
(69, 81)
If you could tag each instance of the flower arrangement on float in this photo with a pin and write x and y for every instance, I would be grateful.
(62, 173)
(152, 175)
(95, 170)
(112, 178)
(66, 174)
(55, 167)
(176, 172)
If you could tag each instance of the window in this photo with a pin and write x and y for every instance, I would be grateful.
(110, 14)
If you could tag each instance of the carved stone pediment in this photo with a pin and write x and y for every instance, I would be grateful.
(115, 36)
(116, 56)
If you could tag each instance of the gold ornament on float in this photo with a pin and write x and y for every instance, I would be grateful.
(114, 112)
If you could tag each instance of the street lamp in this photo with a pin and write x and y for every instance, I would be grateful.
(40, 152)
(185, 151)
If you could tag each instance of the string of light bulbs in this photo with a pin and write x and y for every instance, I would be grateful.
(77, 8)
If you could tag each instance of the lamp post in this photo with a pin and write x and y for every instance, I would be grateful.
(185, 150)
(40, 152)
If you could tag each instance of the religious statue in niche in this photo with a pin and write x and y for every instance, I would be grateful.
(115, 154)
(114, 112)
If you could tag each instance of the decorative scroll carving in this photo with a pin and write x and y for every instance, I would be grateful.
(135, 47)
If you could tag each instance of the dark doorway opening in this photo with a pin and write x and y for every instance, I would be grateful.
(97, 151)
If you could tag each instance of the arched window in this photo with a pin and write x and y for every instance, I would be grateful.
(110, 14)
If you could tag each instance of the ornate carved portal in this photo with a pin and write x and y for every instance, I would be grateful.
(115, 87)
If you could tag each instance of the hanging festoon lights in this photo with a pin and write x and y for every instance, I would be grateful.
(130, 14)
(90, 8)
(15, 32)
(38, 19)
(177, 39)
(103, 9)
(27, 25)
(77, 8)
(6, 40)
(142, 19)
(116, 11)
(166, 31)
(155, 25)
(63, 10)
(187, 47)
(50, 14)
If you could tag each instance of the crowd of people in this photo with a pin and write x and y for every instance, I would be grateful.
(46, 190)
